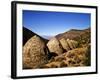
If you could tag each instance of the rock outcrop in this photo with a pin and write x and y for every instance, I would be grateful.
(59, 46)
(64, 44)
(68, 44)
(54, 46)
(35, 53)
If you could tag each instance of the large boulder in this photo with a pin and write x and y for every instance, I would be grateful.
(54, 46)
(35, 53)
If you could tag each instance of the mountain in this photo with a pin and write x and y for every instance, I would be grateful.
(27, 34)
(47, 37)
(82, 36)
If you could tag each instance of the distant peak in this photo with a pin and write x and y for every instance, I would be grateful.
(74, 30)
(80, 29)
(88, 28)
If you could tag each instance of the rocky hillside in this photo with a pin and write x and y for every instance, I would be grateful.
(82, 36)
(69, 49)
(72, 58)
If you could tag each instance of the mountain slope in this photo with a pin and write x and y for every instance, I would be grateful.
(82, 36)
(27, 34)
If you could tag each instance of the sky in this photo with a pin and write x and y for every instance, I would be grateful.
(52, 23)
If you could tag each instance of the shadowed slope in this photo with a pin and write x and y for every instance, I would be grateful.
(27, 34)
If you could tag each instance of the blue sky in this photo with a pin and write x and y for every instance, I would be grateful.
(53, 23)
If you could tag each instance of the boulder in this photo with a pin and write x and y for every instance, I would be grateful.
(64, 44)
(54, 46)
(35, 53)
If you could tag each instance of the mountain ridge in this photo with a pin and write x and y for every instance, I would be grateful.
(27, 34)
(74, 34)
